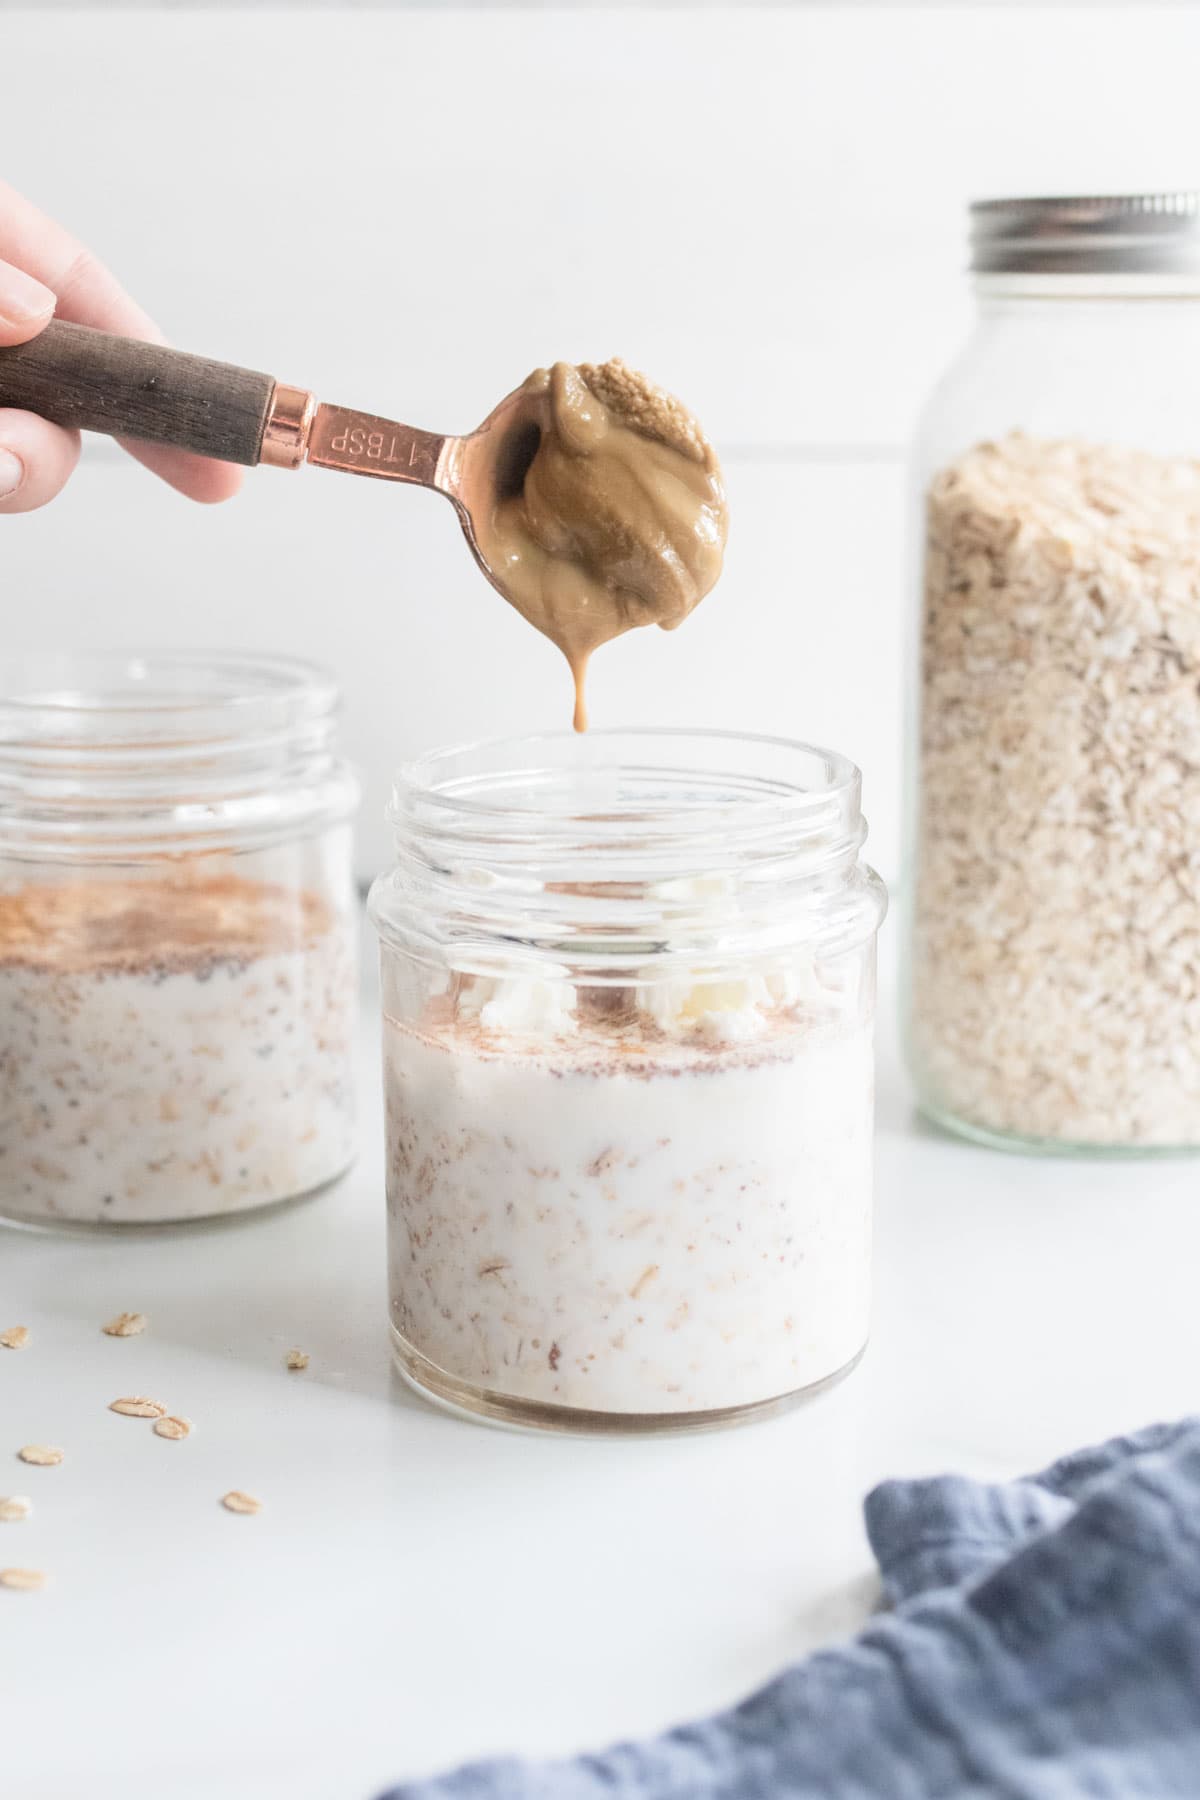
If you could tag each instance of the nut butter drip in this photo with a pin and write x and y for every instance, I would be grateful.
(619, 518)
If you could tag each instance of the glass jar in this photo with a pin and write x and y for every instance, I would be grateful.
(1053, 967)
(178, 969)
(628, 996)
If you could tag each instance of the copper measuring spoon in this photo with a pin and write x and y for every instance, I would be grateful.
(93, 381)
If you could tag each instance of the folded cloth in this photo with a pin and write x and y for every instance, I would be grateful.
(1044, 1645)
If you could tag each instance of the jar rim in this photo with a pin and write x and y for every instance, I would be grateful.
(417, 780)
(108, 754)
(654, 841)
(1066, 286)
(93, 683)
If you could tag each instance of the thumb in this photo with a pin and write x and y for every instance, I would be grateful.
(26, 305)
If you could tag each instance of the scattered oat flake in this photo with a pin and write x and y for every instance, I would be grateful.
(14, 1506)
(125, 1325)
(643, 1281)
(15, 1338)
(296, 1359)
(138, 1407)
(23, 1578)
(238, 1502)
(172, 1427)
(43, 1456)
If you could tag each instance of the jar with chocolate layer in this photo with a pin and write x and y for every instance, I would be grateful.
(628, 988)
(178, 968)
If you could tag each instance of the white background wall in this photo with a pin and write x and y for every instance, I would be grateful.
(407, 208)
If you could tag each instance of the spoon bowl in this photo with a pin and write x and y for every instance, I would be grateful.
(490, 465)
(474, 471)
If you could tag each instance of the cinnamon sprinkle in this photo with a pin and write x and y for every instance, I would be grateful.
(184, 921)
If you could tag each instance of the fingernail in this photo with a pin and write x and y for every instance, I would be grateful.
(12, 473)
(21, 297)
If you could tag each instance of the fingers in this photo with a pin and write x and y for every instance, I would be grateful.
(89, 294)
(199, 477)
(26, 304)
(36, 459)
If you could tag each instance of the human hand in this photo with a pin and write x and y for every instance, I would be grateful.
(45, 273)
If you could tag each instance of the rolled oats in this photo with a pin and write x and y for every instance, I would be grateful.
(14, 1507)
(238, 1502)
(126, 1324)
(29, 1579)
(173, 1427)
(42, 1456)
(138, 1407)
(15, 1338)
(1056, 943)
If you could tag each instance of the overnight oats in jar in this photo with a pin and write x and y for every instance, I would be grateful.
(628, 995)
(178, 960)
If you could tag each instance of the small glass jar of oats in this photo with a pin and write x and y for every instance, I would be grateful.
(628, 998)
(178, 967)
(1053, 971)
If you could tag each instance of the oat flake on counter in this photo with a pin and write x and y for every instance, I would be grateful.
(138, 1407)
(15, 1338)
(237, 1502)
(27, 1579)
(126, 1324)
(173, 1427)
(14, 1507)
(296, 1359)
(42, 1456)
(1056, 947)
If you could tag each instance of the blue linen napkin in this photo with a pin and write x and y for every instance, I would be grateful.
(1044, 1645)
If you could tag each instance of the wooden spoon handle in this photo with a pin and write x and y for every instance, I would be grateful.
(74, 376)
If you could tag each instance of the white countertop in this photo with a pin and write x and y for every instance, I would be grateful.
(419, 1590)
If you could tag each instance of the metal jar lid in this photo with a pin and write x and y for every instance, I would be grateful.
(1088, 234)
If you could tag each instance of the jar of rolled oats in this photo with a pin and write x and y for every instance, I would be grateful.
(178, 967)
(1053, 974)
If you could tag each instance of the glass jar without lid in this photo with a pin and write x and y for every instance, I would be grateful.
(1054, 956)
(178, 972)
(628, 987)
